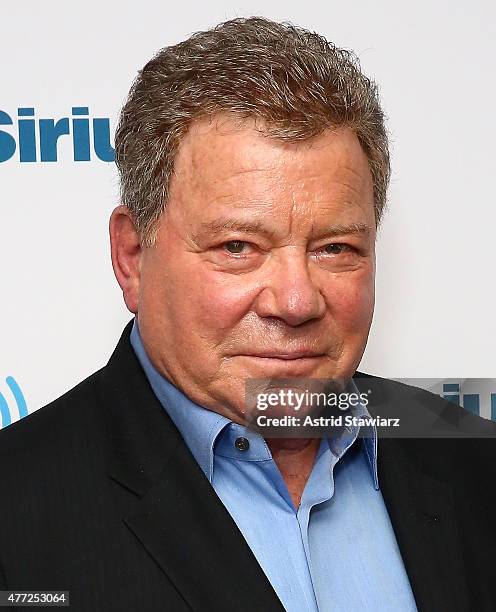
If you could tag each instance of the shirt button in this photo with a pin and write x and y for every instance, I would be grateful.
(242, 444)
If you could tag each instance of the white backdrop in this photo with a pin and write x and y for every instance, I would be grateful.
(61, 309)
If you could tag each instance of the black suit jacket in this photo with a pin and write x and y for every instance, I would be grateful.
(101, 496)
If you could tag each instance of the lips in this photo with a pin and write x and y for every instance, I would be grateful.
(288, 356)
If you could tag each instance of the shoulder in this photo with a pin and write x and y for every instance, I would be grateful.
(409, 397)
(52, 466)
(66, 425)
(449, 438)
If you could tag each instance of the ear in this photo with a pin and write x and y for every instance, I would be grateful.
(126, 255)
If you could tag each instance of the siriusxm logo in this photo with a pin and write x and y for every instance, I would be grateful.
(5, 413)
(480, 401)
(37, 139)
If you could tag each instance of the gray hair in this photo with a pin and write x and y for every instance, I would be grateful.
(295, 81)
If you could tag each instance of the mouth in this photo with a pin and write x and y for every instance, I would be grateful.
(283, 364)
(283, 356)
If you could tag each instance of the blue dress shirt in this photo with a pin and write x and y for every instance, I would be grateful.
(335, 553)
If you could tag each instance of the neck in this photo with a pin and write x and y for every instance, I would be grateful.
(295, 458)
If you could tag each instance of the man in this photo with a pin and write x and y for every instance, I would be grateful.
(254, 167)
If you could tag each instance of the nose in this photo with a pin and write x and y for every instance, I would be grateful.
(288, 292)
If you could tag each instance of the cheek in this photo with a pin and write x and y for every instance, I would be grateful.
(208, 303)
(222, 300)
(352, 302)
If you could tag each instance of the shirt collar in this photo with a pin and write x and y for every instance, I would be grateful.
(206, 432)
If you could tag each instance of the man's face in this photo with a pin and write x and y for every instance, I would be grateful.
(263, 265)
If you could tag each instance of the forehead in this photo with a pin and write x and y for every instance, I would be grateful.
(224, 166)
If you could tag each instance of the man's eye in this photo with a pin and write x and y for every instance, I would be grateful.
(235, 246)
(335, 249)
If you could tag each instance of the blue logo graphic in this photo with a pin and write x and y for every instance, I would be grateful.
(37, 139)
(19, 399)
(469, 401)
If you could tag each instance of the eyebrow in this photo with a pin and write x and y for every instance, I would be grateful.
(218, 226)
(222, 225)
(347, 229)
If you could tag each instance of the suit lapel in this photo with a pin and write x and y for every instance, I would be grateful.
(415, 476)
(188, 532)
(420, 506)
(174, 512)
